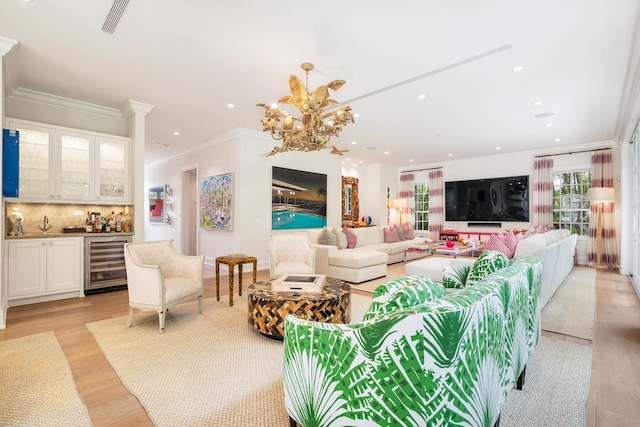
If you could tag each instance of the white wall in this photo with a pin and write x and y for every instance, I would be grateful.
(240, 152)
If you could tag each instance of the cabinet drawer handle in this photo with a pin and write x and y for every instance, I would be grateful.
(42, 244)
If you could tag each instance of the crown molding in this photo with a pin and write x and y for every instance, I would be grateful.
(6, 44)
(28, 95)
(135, 107)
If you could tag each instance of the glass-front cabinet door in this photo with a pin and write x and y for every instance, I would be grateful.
(75, 167)
(36, 152)
(112, 169)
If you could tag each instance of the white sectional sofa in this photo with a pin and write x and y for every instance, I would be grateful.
(367, 261)
(556, 249)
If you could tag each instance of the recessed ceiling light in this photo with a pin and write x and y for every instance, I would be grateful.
(518, 68)
(356, 115)
(422, 96)
(543, 115)
(348, 158)
(557, 140)
(386, 152)
(361, 162)
(450, 154)
(353, 142)
(230, 105)
(537, 103)
(549, 125)
(411, 160)
(176, 133)
(498, 148)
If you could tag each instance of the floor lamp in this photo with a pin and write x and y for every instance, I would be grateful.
(599, 195)
(400, 205)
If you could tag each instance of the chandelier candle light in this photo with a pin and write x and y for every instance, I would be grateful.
(315, 126)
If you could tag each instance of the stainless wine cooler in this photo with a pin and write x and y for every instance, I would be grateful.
(104, 263)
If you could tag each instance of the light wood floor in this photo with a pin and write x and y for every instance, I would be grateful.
(614, 394)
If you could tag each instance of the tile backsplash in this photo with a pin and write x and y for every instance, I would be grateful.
(60, 215)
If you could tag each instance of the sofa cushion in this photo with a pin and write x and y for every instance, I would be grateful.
(391, 235)
(341, 238)
(362, 238)
(402, 293)
(352, 240)
(531, 245)
(358, 259)
(374, 235)
(327, 237)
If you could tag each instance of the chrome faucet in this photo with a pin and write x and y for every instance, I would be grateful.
(46, 225)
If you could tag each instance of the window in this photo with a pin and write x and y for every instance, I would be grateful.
(421, 212)
(570, 206)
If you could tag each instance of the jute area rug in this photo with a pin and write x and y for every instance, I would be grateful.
(214, 370)
(37, 386)
(571, 310)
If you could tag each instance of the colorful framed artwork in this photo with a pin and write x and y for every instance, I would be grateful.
(298, 199)
(216, 202)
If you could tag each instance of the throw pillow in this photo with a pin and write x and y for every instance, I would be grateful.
(407, 227)
(391, 235)
(401, 293)
(352, 239)
(495, 244)
(487, 263)
(327, 238)
(400, 232)
(455, 276)
(510, 240)
(341, 238)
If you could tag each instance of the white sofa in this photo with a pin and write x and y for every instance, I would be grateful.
(557, 249)
(367, 261)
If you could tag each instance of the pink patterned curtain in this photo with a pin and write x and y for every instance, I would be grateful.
(602, 176)
(406, 192)
(543, 191)
(436, 203)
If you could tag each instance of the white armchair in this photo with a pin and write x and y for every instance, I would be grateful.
(158, 277)
(291, 254)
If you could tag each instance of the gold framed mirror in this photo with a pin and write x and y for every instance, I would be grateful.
(350, 203)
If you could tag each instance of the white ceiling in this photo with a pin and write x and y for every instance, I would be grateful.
(191, 58)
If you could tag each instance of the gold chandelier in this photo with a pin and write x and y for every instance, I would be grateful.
(311, 131)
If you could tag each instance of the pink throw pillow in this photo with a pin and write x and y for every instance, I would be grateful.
(407, 228)
(510, 241)
(391, 235)
(352, 239)
(495, 244)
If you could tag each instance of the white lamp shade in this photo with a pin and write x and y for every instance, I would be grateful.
(399, 203)
(601, 194)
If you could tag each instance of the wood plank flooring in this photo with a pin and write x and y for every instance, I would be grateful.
(614, 393)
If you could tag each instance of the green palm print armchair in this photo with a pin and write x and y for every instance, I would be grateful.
(420, 357)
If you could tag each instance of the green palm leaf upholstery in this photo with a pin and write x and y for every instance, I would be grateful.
(461, 276)
(446, 360)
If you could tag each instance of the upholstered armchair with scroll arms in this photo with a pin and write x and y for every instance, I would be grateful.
(291, 254)
(159, 277)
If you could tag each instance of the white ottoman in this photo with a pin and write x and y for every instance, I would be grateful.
(432, 267)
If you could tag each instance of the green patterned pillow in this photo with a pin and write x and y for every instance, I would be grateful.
(455, 276)
(403, 293)
(487, 263)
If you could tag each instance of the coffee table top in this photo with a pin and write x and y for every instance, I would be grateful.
(333, 289)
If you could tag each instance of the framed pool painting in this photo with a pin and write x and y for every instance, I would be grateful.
(216, 202)
(298, 199)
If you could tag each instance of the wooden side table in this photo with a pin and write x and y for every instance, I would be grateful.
(231, 262)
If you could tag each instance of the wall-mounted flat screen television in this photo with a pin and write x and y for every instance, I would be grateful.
(490, 199)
